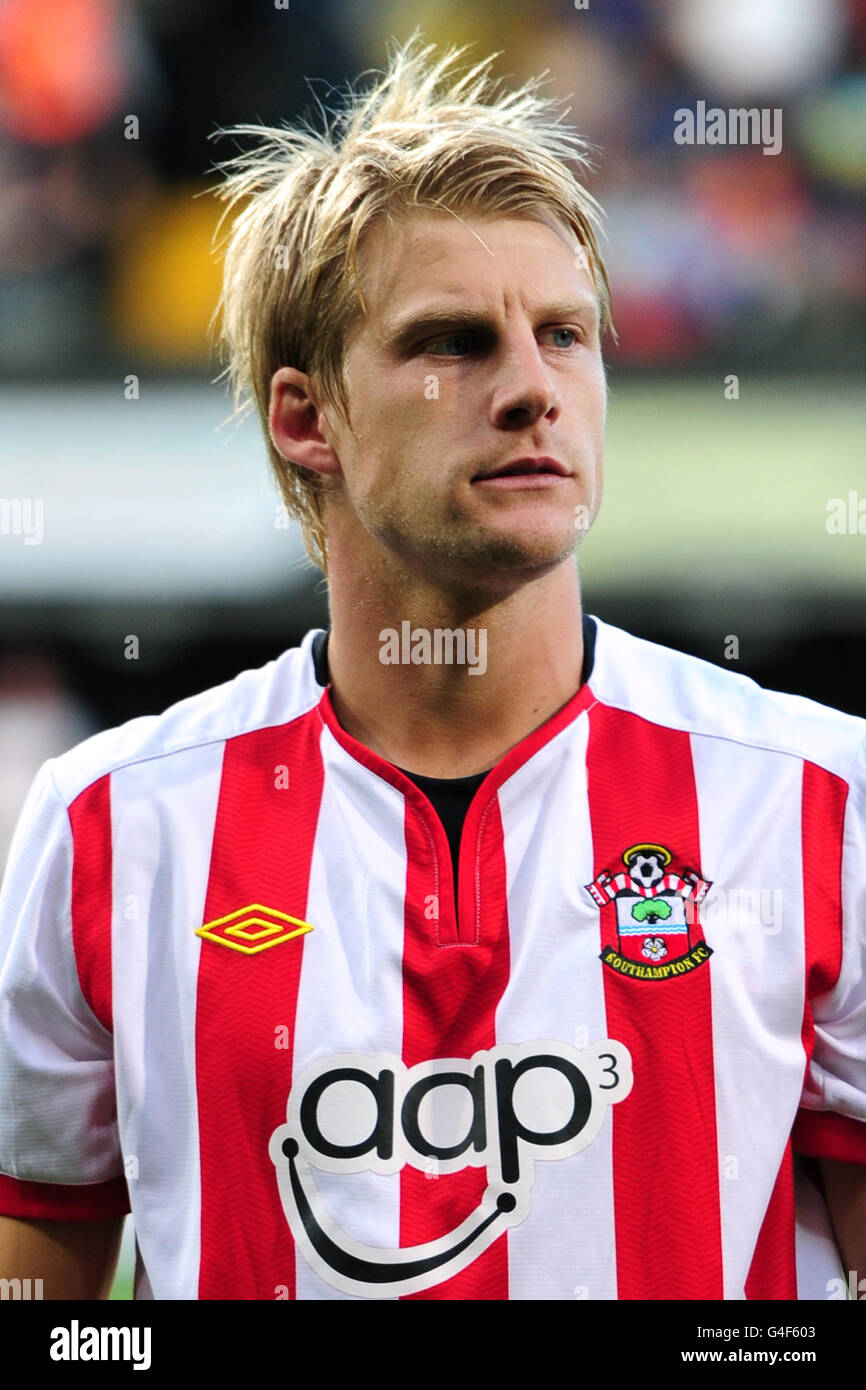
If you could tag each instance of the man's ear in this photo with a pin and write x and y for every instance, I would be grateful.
(294, 423)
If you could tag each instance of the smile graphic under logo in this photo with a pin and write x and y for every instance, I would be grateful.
(503, 1110)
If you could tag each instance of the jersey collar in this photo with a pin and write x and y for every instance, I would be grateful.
(514, 759)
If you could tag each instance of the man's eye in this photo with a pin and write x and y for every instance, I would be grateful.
(571, 332)
(460, 343)
(440, 347)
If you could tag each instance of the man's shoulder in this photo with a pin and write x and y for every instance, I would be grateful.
(679, 691)
(274, 694)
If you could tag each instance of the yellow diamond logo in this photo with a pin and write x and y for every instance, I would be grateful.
(253, 928)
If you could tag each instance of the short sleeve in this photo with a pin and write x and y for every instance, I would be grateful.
(831, 1122)
(60, 1153)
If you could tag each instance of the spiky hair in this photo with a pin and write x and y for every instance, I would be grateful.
(427, 135)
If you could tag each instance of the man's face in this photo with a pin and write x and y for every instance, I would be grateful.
(480, 349)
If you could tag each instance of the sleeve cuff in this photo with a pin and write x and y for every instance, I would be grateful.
(825, 1134)
(46, 1201)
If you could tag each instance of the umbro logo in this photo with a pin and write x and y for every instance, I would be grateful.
(253, 928)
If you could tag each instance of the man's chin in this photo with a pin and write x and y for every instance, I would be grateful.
(525, 546)
(460, 551)
(496, 562)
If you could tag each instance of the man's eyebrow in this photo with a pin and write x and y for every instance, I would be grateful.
(404, 331)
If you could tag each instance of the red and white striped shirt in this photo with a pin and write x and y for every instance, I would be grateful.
(236, 996)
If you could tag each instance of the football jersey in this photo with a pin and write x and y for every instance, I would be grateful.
(238, 997)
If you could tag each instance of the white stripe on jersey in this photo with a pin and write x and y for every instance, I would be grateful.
(61, 1081)
(350, 996)
(156, 826)
(750, 956)
(554, 936)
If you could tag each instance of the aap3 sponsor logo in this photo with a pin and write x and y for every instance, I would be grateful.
(504, 1110)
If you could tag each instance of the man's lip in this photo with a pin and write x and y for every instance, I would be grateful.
(539, 464)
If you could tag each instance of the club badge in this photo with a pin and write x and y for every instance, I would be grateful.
(652, 908)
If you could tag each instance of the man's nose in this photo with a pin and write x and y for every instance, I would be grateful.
(524, 390)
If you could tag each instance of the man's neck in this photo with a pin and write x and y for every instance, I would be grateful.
(522, 659)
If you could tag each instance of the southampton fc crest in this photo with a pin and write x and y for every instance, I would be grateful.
(651, 908)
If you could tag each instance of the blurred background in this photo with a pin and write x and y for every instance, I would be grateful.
(143, 552)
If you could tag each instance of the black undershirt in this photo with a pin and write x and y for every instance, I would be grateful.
(451, 796)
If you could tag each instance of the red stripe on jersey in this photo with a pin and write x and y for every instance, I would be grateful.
(824, 798)
(48, 1201)
(246, 1004)
(826, 1134)
(451, 991)
(665, 1160)
(91, 902)
(774, 1263)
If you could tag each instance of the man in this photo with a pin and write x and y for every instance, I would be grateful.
(378, 974)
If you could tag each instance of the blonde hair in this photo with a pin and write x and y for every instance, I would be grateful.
(425, 136)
